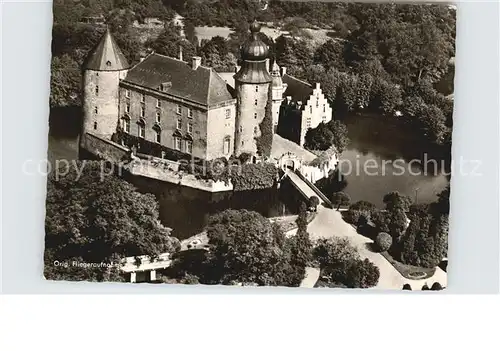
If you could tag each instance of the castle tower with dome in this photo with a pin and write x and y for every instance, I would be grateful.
(252, 85)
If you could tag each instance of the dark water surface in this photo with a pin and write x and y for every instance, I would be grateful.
(186, 210)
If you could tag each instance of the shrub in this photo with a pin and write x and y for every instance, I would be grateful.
(362, 274)
(314, 202)
(407, 287)
(436, 286)
(425, 287)
(383, 241)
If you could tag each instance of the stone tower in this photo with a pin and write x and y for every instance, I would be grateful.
(103, 68)
(278, 88)
(252, 84)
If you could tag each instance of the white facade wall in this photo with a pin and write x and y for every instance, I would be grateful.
(316, 110)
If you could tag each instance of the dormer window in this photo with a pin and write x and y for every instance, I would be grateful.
(108, 63)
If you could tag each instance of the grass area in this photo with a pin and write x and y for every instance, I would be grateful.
(407, 271)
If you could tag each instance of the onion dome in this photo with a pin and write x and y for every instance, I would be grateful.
(106, 55)
(254, 49)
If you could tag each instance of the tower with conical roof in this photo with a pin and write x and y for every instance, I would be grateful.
(103, 68)
(252, 84)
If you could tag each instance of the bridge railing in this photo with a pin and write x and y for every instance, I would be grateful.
(314, 188)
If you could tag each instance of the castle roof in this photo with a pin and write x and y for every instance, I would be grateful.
(254, 49)
(201, 85)
(106, 55)
(297, 89)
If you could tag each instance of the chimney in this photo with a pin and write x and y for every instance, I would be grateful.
(196, 62)
(180, 53)
(283, 71)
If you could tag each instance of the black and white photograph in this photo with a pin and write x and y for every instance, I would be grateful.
(251, 143)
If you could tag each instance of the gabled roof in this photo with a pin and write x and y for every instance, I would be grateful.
(106, 55)
(297, 89)
(202, 85)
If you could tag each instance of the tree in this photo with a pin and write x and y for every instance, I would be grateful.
(169, 42)
(326, 135)
(330, 54)
(436, 286)
(97, 217)
(407, 287)
(340, 135)
(319, 138)
(383, 241)
(340, 264)
(314, 202)
(65, 82)
(341, 199)
(395, 200)
(359, 211)
(215, 53)
(245, 247)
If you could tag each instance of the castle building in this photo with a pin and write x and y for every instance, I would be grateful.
(252, 83)
(191, 108)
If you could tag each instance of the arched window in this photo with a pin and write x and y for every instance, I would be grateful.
(95, 125)
(157, 130)
(108, 63)
(256, 102)
(142, 128)
(96, 90)
(255, 130)
(227, 145)
(256, 88)
(126, 124)
(96, 110)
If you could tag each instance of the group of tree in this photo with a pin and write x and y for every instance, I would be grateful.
(326, 135)
(436, 287)
(413, 234)
(341, 265)
(93, 216)
(246, 248)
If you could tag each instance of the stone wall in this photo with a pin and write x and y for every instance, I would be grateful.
(104, 149)
(146, 169)
(252, 102)
(220, 127)
(168, 119)
(100, 101)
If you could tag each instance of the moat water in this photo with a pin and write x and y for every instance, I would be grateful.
(373, 142)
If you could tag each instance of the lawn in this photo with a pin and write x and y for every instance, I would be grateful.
(407, 271)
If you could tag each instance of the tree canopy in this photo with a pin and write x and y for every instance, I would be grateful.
(94, 218)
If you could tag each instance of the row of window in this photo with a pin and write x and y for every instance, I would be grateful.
(142, 134)
(317, 105)
(158, 105)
